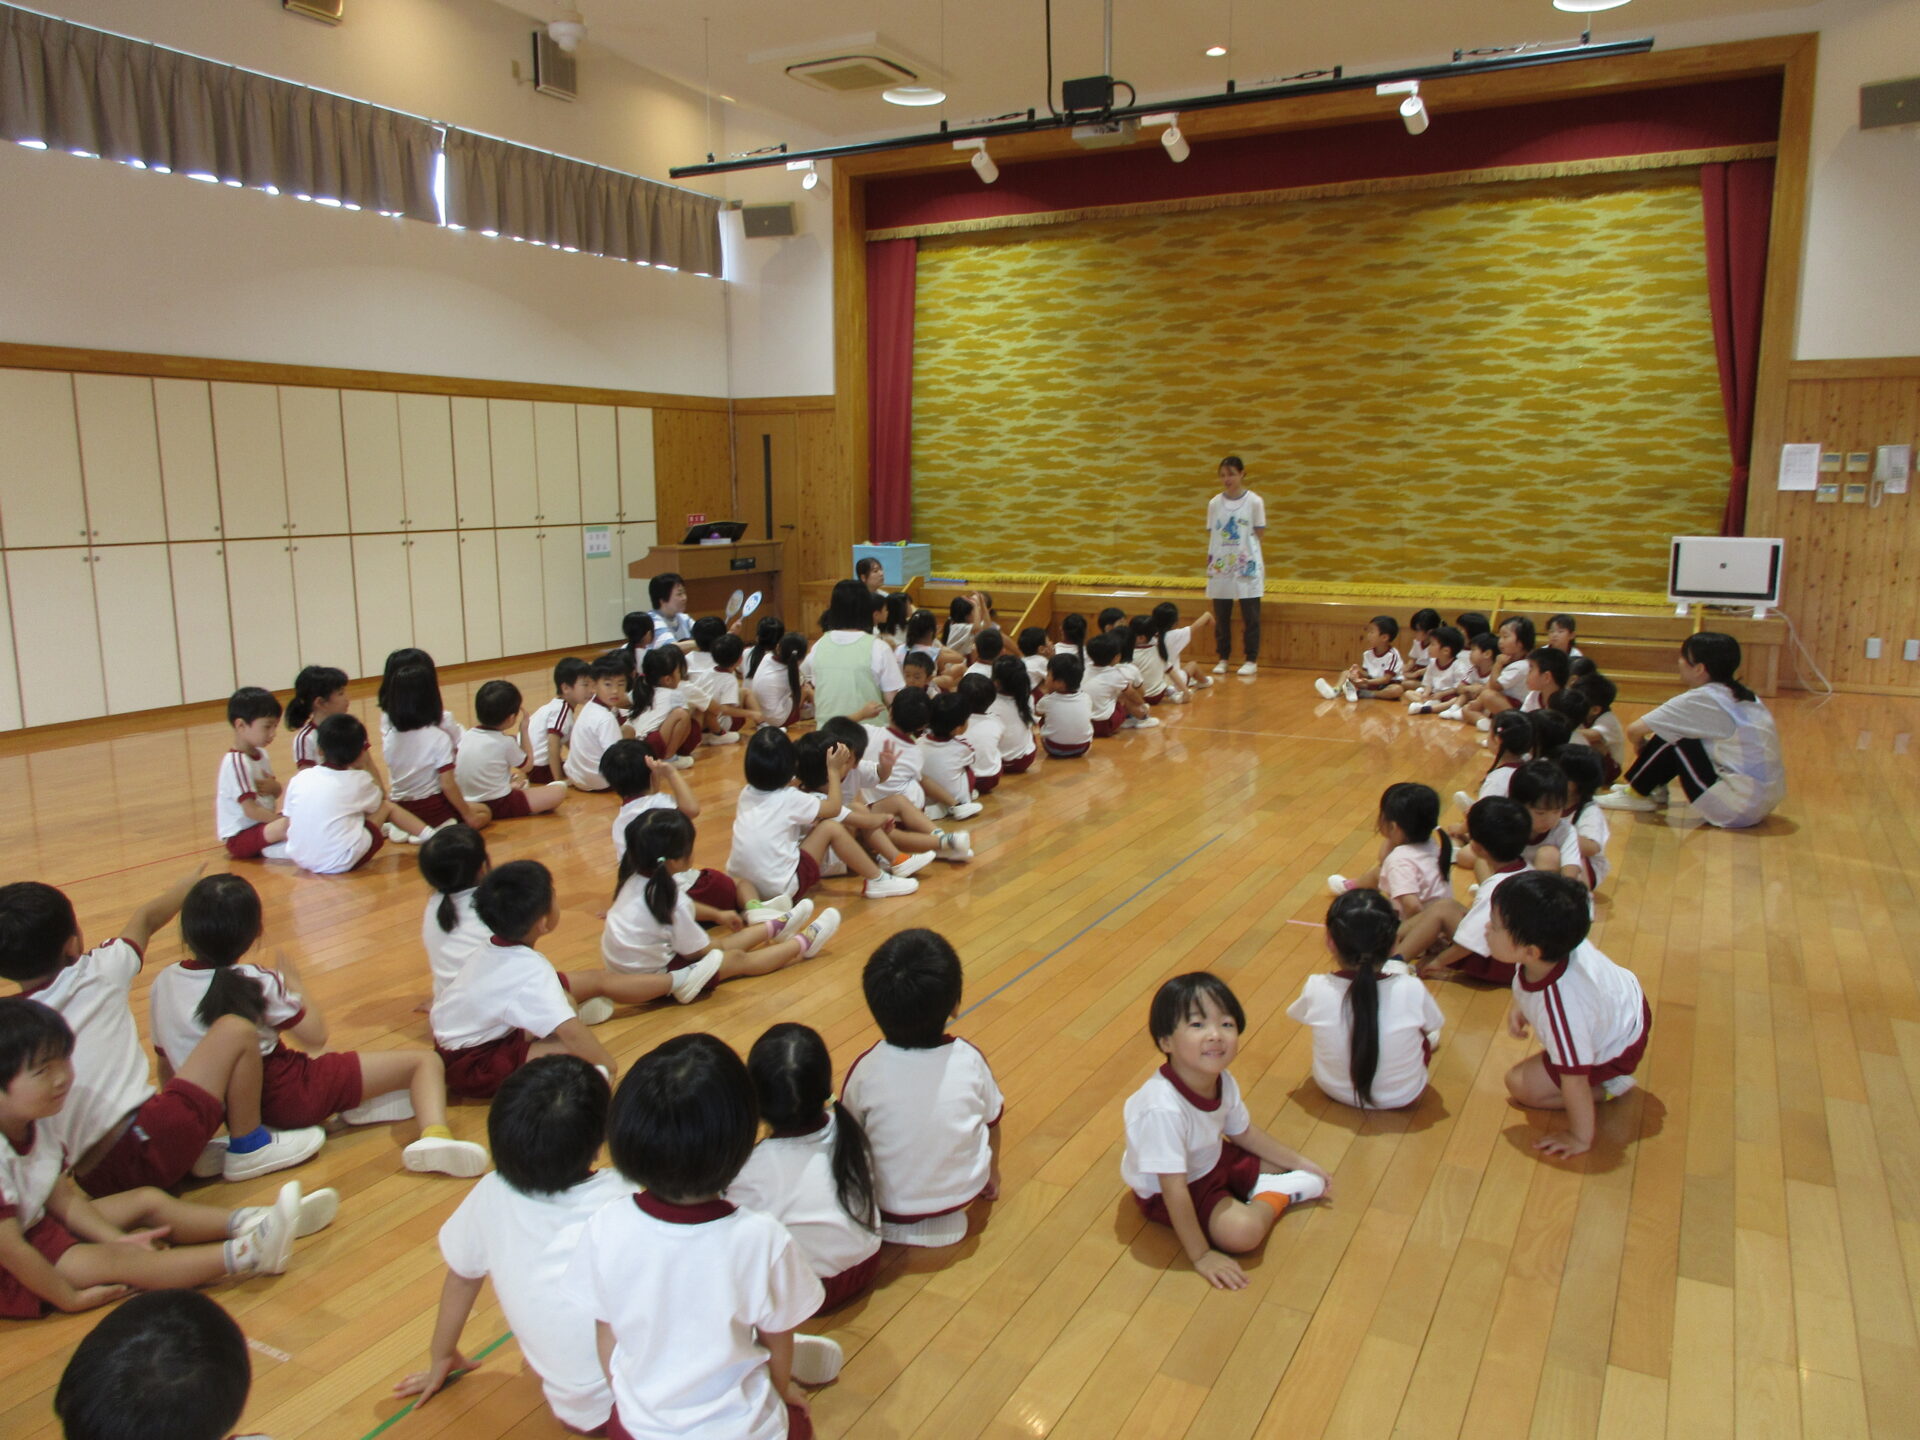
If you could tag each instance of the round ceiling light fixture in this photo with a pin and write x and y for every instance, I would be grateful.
(1587, 7)
(913, 95)
(1216, 51)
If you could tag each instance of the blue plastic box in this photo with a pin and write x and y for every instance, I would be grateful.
(898, 563)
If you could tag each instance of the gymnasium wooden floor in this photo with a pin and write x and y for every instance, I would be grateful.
(1740, 1255)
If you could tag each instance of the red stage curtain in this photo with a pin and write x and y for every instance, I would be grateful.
(1737, 202)
(891, 265)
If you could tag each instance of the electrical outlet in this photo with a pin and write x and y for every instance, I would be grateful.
(1873, 648)
(1912, 652)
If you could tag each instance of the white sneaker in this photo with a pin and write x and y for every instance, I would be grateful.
(1252, 667)
(790, 920)
(912, 864)
(276, 852)
(689, 982)
(266, 1247)
(433, 1155)
(431, 831)
(395, 835)
(1349, 691)
(287, 1148)
(381, 1109)
(316, 1212)
(814, 938)
(967, 810)
(935, 812)
(721, 737)
(1179, 697)
(1463, 800)
(1452, 712)
(1339, 884)
(957, 846)
(596, 1011)
(1296, 1185)
(1199, 682)
(886, 887)
(767, 909)
(941, 1230)
(1484, 724)
(1616, 1087)
(1221, 668)
(1421, 707)
(1146, 722)
(681, 762)
(1624, 798)
(211, 1159)
(816, 1360)
(1327, 692)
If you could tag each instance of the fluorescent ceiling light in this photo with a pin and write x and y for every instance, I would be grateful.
(1587, 7)
(1216, 51)
(913, 95)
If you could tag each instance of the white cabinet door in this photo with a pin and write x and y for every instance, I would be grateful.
(386, 606)
(523, 599)
(41, 501)
(120, 459)
(9, 678)
(55, 635)
(266, 641)
(472, 464)
(599, 463)
(516, 486)
(324, 615)
(433, 569)
(133, 592)
(636, 464)
(635, 538)
(246, 440)
(201, 622)
(558, 462)
(480, 595)
(316, 460)
(426, 457)
(563, 578)
(374, 488)
(606, 589)
(183, 415)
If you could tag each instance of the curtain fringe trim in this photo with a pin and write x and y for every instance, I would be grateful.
(1502, 596)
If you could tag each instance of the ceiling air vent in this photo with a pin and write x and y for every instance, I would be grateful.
(851, 74)
(555, 72)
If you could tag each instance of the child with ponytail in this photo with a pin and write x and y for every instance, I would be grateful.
(814, 1170)
(784, 693)
(1512, 742)
(318, 691)
(1173, 639)
(1374, 1024)
(1415, 853)
(1014, 711)
(454, 862)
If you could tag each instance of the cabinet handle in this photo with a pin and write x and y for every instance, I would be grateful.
(83, 534)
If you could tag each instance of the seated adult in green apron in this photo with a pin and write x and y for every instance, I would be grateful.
(855, 672)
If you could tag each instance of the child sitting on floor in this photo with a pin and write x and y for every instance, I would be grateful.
(868, 792)
(1497, 831)
(1512, 742)
(1581, 765)
(1114, 699)
(784, 696)
(946, 759)
(489, 766)
(1175, 638)
(1560, 632)
(1508, 689)
(1446, 673)
(550, 727)
(602, 721)
(1377, 674)
(988, 646)
(1035, 651)
(1421, 625)
(337, 817)
(1064, 711)
(453, 862)
(897, 849)
(666, 716)
(420, 753)
(243, 795)
(318, 691)
(982, 732)
(1541, 786)
(1416, 855)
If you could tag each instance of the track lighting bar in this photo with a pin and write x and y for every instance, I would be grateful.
(1040, 124)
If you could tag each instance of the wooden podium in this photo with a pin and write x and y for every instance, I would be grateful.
(713, 572)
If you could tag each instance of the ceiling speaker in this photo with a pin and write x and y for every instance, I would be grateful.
(555, 72)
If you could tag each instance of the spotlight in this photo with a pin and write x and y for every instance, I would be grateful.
(1214, 52)
(1587, 7)
(1413, 114)
(809, 177)
(567, 29)
(913, 95)
(1176, 144)
(982, 162)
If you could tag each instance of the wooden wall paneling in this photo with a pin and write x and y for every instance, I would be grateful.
(766, 455)
(9, 676)
(59, 664)
(556, 441)
(203, 627)
(189, 476)
(42, 501)
(383, 591)
(326, 619)
(314, 454)
(480, 595)
(563, 581)
(252, 471)
(120, 459)
(823, 544)
(140, 656)
(599, 443)
(692, 468)
(516, 481)
(472, 464)
(523, 598)
(376, 488)
(433, 574)
(637, 498)
(426, 461)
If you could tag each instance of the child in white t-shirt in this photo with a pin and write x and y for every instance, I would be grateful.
(454, 862)
(896, 848)
(1377, 674)
(783, 695)
(1113, 690)
(318, 691)
(907, 791)
(700, 1299)
(981, 732)
(1511, 740)
(733, 709)
(1446, 673)
(1542, 787)
(669, 716)
(1150, 658)
(489, 768)
(1420, 626)
(1175, 638)
(987, 648)
(1581, 765)
(1065, 712)
(244, 792)
(601, 721)
(946, 759)
(550, 727)
(1416, 855)
(1035, 651)
(418, 740)
(1013, 708)
(814, 1170)
(337, 818)
(1374, 1024)
(1195, 1160)
(1515, 638)
(520, 1226)
(1497, 830)
(927, 1101)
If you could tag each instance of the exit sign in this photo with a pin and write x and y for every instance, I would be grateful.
(696, 519)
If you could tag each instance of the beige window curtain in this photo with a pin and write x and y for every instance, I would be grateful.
(508, 189)
(73, 88)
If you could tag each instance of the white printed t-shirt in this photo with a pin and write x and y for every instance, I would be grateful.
(926, 1113)
(768, 826)
(110, 1075)
(1171, 1130)
(790, 1177)
(327, 810)
(239, 780)
(502, 989)
(483, 768)
(1409, 1027)
(1235, 568)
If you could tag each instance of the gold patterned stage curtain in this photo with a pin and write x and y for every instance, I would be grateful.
(1508, 383)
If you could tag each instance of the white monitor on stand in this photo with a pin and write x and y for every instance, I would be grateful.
(1725, 570)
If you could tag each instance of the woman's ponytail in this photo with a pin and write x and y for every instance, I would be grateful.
(1719, 655)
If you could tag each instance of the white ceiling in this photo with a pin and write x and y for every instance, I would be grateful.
(989, 54)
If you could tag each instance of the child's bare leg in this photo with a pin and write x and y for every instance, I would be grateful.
(1431, 927)
(1368, 880)
(541, 799)
(182, 1267)
(226, 1063)
(1385, 692)
(910, 815)
(1236, 1227)
(909, 842)
(276, 830)
(624, 987)
(764, 961)
(748, 895)
(1530, 1085)
(831, 835)
(1136, 703)
(937, 793)
(419, 1072)
(150, 1209)
(675, 729)
(398, 815)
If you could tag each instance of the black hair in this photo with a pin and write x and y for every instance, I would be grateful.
(726, 651)
(1548, 911)
(1427, 618)
(1484, 640)
(899, 609)
(1010, 679)
(909, 711)
(495, 703)
(547, 1122)
(1362, 925)
(1387, 626)
(1598, 688)
(613, 663)
(1522, 628)
(166, 1365)
(413, 698)
(1068, 670)
(913, 984)
(1148, 627)
(1501, 827)
(36, 922)
(706, 630)
(1539, 782)
(398, 660)
(1563, 621)
(1232, 462)
(1550, 661)
(850, 607)
(1719, 655)
(250, 703)
(1471, 623)
(865, 566)
(1110, 617)
(30, 1034)
(826, 616)
(514, 898)
(766, 638)
(1583, 666)
(793, 649)
(919, 660)
(655, 666)
(1573, 702)
(684, 1119)
(978, 692)
(1449, 639)
(850, 733)
(768, 763)
(792, 1076)
(623, 765)
(1415, 808)
(653, 838)
(1580, 763)
(340, 739)
(451, 861)
(988, 646)
(1073, 630)
(923, 627)
(638, 627)
(1513, 730)
(569, 671)
(1103, 649)
(1031, 639)
(220, 922)
(959, 609)
(1551, 730)
(660, 588)
(1181, 997)
(810, 759)
(312, 685)
(948, 713)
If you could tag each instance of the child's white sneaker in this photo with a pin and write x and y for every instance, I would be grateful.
(317, 1211)
(767, 909)
(265, 1247)
(381, 1109)
(1623, 797)
(1327, 692)
(966, 810)
(817, 1360)
(935, 812)
(814, 938)
(933, 1234)
(1141, 722)
(1199, 682)
(888, 887)
(1252, 667)
(1453, 712)
(721, 737)
(284, 1150)
(395, 835)
(681, 762)
(443, 1155)
(1483, 724)
(1421, 707)
(1463, 800)
(1616, 1087)
(211, 1158)
(1349, 691)
(1339, 884)
(957, 846)
(276, 852)
(912, 864)
(689, 981)
(1178, 697)
(596, 1011)
(790, 920)
(1296, 1185)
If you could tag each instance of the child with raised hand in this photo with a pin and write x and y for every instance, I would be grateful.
(220, 922)
(318, 691)
(1512, 742)
(60, 1250)
(1149, 657)
(1581, 765)
(1176, 637)
(1590, 1014)
(243, 794)
(927, 1101)
(877, 759)
(1195, 1160)
(1446, 673)
(509, 1004)
(1497, 831)
(1416, 855)
(337, 817)
(1376, 675)
(896, 848)
(117, 1132)
(550, 727)
(1014, 711)
(988, 646)
(923, 637)
(653, 944)
(519, 1226)
(1114, 699)
(968, 618)
(784, 695)
(167, 1353)
(1374, 1024)
(697, 1301)
(814, 1170)
(419, 751)
(489, 769)
(905, 788)
(454, 862)
(1065, 712)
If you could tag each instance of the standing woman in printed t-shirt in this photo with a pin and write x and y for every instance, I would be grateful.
(1236, 519)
